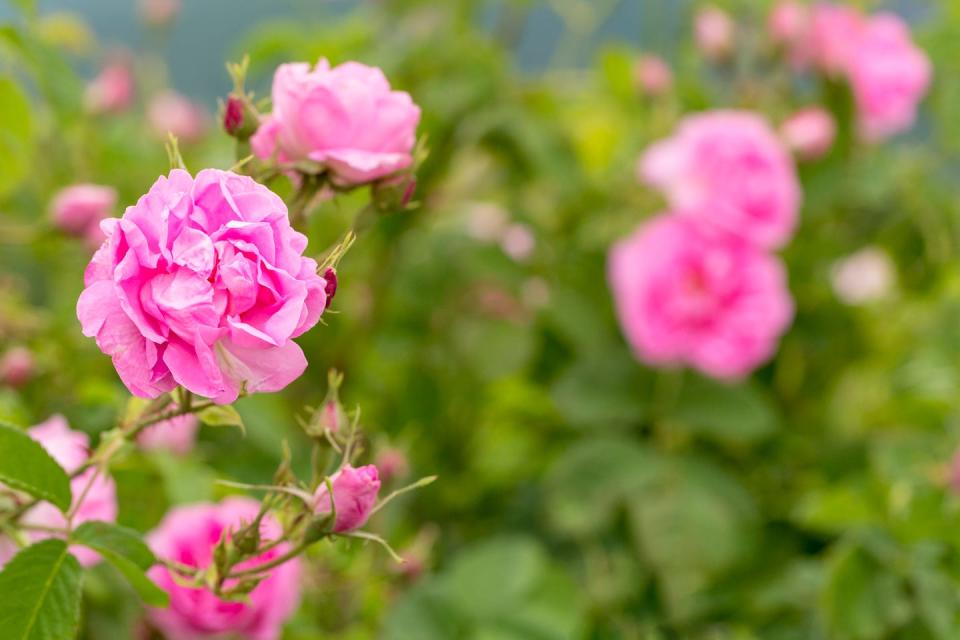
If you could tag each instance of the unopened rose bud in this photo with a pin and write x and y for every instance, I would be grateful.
(239, 119)
(392, 464)
(652, 75)
(247, 539)
(714, 31)
(17, 367)
(330, 289)
(354, 496)
(809, 133)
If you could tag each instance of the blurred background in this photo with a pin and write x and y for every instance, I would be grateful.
(581, 494)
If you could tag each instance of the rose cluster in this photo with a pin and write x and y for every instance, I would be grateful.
(698, 286)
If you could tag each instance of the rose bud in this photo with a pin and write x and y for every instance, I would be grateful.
(653, 76)
(78, 209)
(392, 464)
(17, 367)
(112, 90)
(354, 496)
(713, 31)
(809, 133)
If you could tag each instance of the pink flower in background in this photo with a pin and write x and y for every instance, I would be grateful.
(689, 294)
(834, 37)
(346, 118)
(728, 169)
(159, 12)
(71, 449)
(112, 90)
(713, 30)
(177, 435)
(78, 209)
(170, 112)
(789, 23)
(17, 367)
(862, 277)
(518, 242)
(354, 495)
(392, 464)
(203, 283)
(653, 75)
(889, 76)
(188, 535)
(809, 132)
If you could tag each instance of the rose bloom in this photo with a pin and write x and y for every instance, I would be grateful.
(170, 112)
(70, 449)
(809, 132)
(78, 209)
(713, 31)
(112, 90)
(176, 435)
(17, 367)
(518, 242)
(653, 75)
(346, 118)
(789, 22)
(688, 294)
(354, 496)
(188, 535)
(834, 37)
(203, 283)
(864, 276)
(889, 76)
(729, 169)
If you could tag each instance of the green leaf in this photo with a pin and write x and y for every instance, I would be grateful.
(25, 465)
(124, 549)
(730, 414)
(15, 135)
(602, 392)
(221, 415)
(40, 594)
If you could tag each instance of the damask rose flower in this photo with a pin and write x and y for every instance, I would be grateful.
(203, 283)
(889, 76)
(345, 118)
(354, 495)
(833, 38)
(176, 435)
(687, 294)
(713, 30)
(653, 75)
(809, 132)
(188, 535)
(78, 209)
(17, 367)
(864, 276)
(112, 90)
(170, 112)
(71, 450)
(728, 169)
(789, 22)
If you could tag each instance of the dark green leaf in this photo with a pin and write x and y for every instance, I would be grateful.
(25, 465)
(124, 549)
(40, 594)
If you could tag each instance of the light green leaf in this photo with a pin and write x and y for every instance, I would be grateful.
(221, 415)
(40, 594)
(25, 465)
(738, 414)
(124, 549)
(15, 135)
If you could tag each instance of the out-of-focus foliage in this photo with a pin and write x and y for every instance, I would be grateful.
(581, 495)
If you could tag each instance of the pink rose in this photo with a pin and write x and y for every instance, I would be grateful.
(392, 464)
(889, 76)
(170, 112)
(176, 435)
(518, 242)
(789, 23)
(159, 12)
(864, 276)
(354, 495)
(188, 535)
(203, 283)
(809, 132)
(78, 209)
(686, 294)
(713, 30)
(112, 90)
(728, 168)
(653, 75)
(17, 367)
(834, 37)
(71, 449)
(345, 118)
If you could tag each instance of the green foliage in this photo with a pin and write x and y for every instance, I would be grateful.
(27, 466)
(41, 593)
(16, 135)
(124, 549)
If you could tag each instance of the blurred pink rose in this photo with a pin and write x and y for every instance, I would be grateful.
(714, 31)
(728, 168)
(834, 37)
(170, 112)
(518, 242)
(392, 464)
(71, 449)
(188, 535)
(203, 283)
(809, 132)
(159, 12)
(864, 276)
(653, 75)
(177, 435)
(354, 496)
(345, 118)
(17, 367)
(789, 23)
(78, 209)
(691, 295)
(112, 90)
(889, 76)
